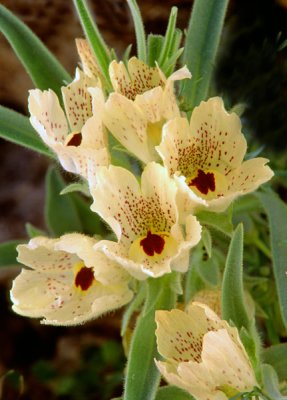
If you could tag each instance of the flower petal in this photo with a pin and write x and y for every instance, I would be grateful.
(89, 63)
(77, 100)
(47, 116)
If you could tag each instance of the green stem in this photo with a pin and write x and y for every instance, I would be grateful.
(142, 375)
(139, 29)
(262, 246)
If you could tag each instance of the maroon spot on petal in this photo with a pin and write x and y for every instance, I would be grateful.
(84, 278)
(152, 243)
(204, 182)
(75, 140)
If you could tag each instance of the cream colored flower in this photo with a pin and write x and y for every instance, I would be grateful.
(143, 101)
(78, 138)
(203, 354)
(206, 156)
(145, 221)
(68, 282)
(88, 60)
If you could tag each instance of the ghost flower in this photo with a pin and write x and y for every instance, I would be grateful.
(145, 220)
(143, 101)
(206, 158)
(67, 282)
(76, 136)
(202, 354)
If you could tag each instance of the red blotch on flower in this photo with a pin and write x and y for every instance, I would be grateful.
(203, 182)
(152, 243)
(84, 278)
(75, 140)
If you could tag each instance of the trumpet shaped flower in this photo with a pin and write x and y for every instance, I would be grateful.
(142, 102)
(203, 354)
(78, 138)
(145, 220)
(206, 158)
(67, 282)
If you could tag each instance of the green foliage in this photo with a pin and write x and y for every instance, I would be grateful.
(139, 30)
(219, 221)
(45, 71)
(277, 215)
(142, 375)
(8, 253)
(16, 128)
(233, 303)
(277, 357)
(200, 49)
(271, 384)
(32, 231)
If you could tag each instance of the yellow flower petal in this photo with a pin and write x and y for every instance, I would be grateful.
(145, 220)
(203, 354)
(89, 63)
(69, 282)
(206, 157)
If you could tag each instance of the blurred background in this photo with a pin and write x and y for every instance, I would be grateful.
(250, 69)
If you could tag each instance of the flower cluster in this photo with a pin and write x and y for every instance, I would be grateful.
(186, 165)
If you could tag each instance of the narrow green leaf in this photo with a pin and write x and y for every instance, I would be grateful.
(172, 393)
(207, 267)
(139, 29)
(32, 231)
(76, 187)
(200, 49)
(45, 71)
(8, 253)
(169, 36)
(277, 357)
(154, 45)
(143, 377)
(95, 39)
(16, 128)
(60, 211)
(233, 303)
(207, 240)
(270, 382)
(277, 215)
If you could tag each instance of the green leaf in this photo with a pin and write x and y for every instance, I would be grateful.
(206, 240)
(200, 49)
(172, 393)
(95, 39)
(143, 377)
(233, 303)
(169, 36)
(270, 382)
(16, 128)
(76, 187)
(60, 211)
(277, 357)
(277, 215)
(8, 253)
(32, 231)
(207, 267)
(139, 29)
(154, 45)
(91, 222)
(220, 221)
(45, 71)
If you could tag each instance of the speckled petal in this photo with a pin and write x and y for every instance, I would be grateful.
(127, 123)
(138, 79)
(217, 139)
(89, 63)
(116, 197)
(77, 100)
(250, 175)
(47, 116)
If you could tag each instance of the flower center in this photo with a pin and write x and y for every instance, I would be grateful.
(74, 139)
(152, 243)
(84, 276)
(203, 182)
